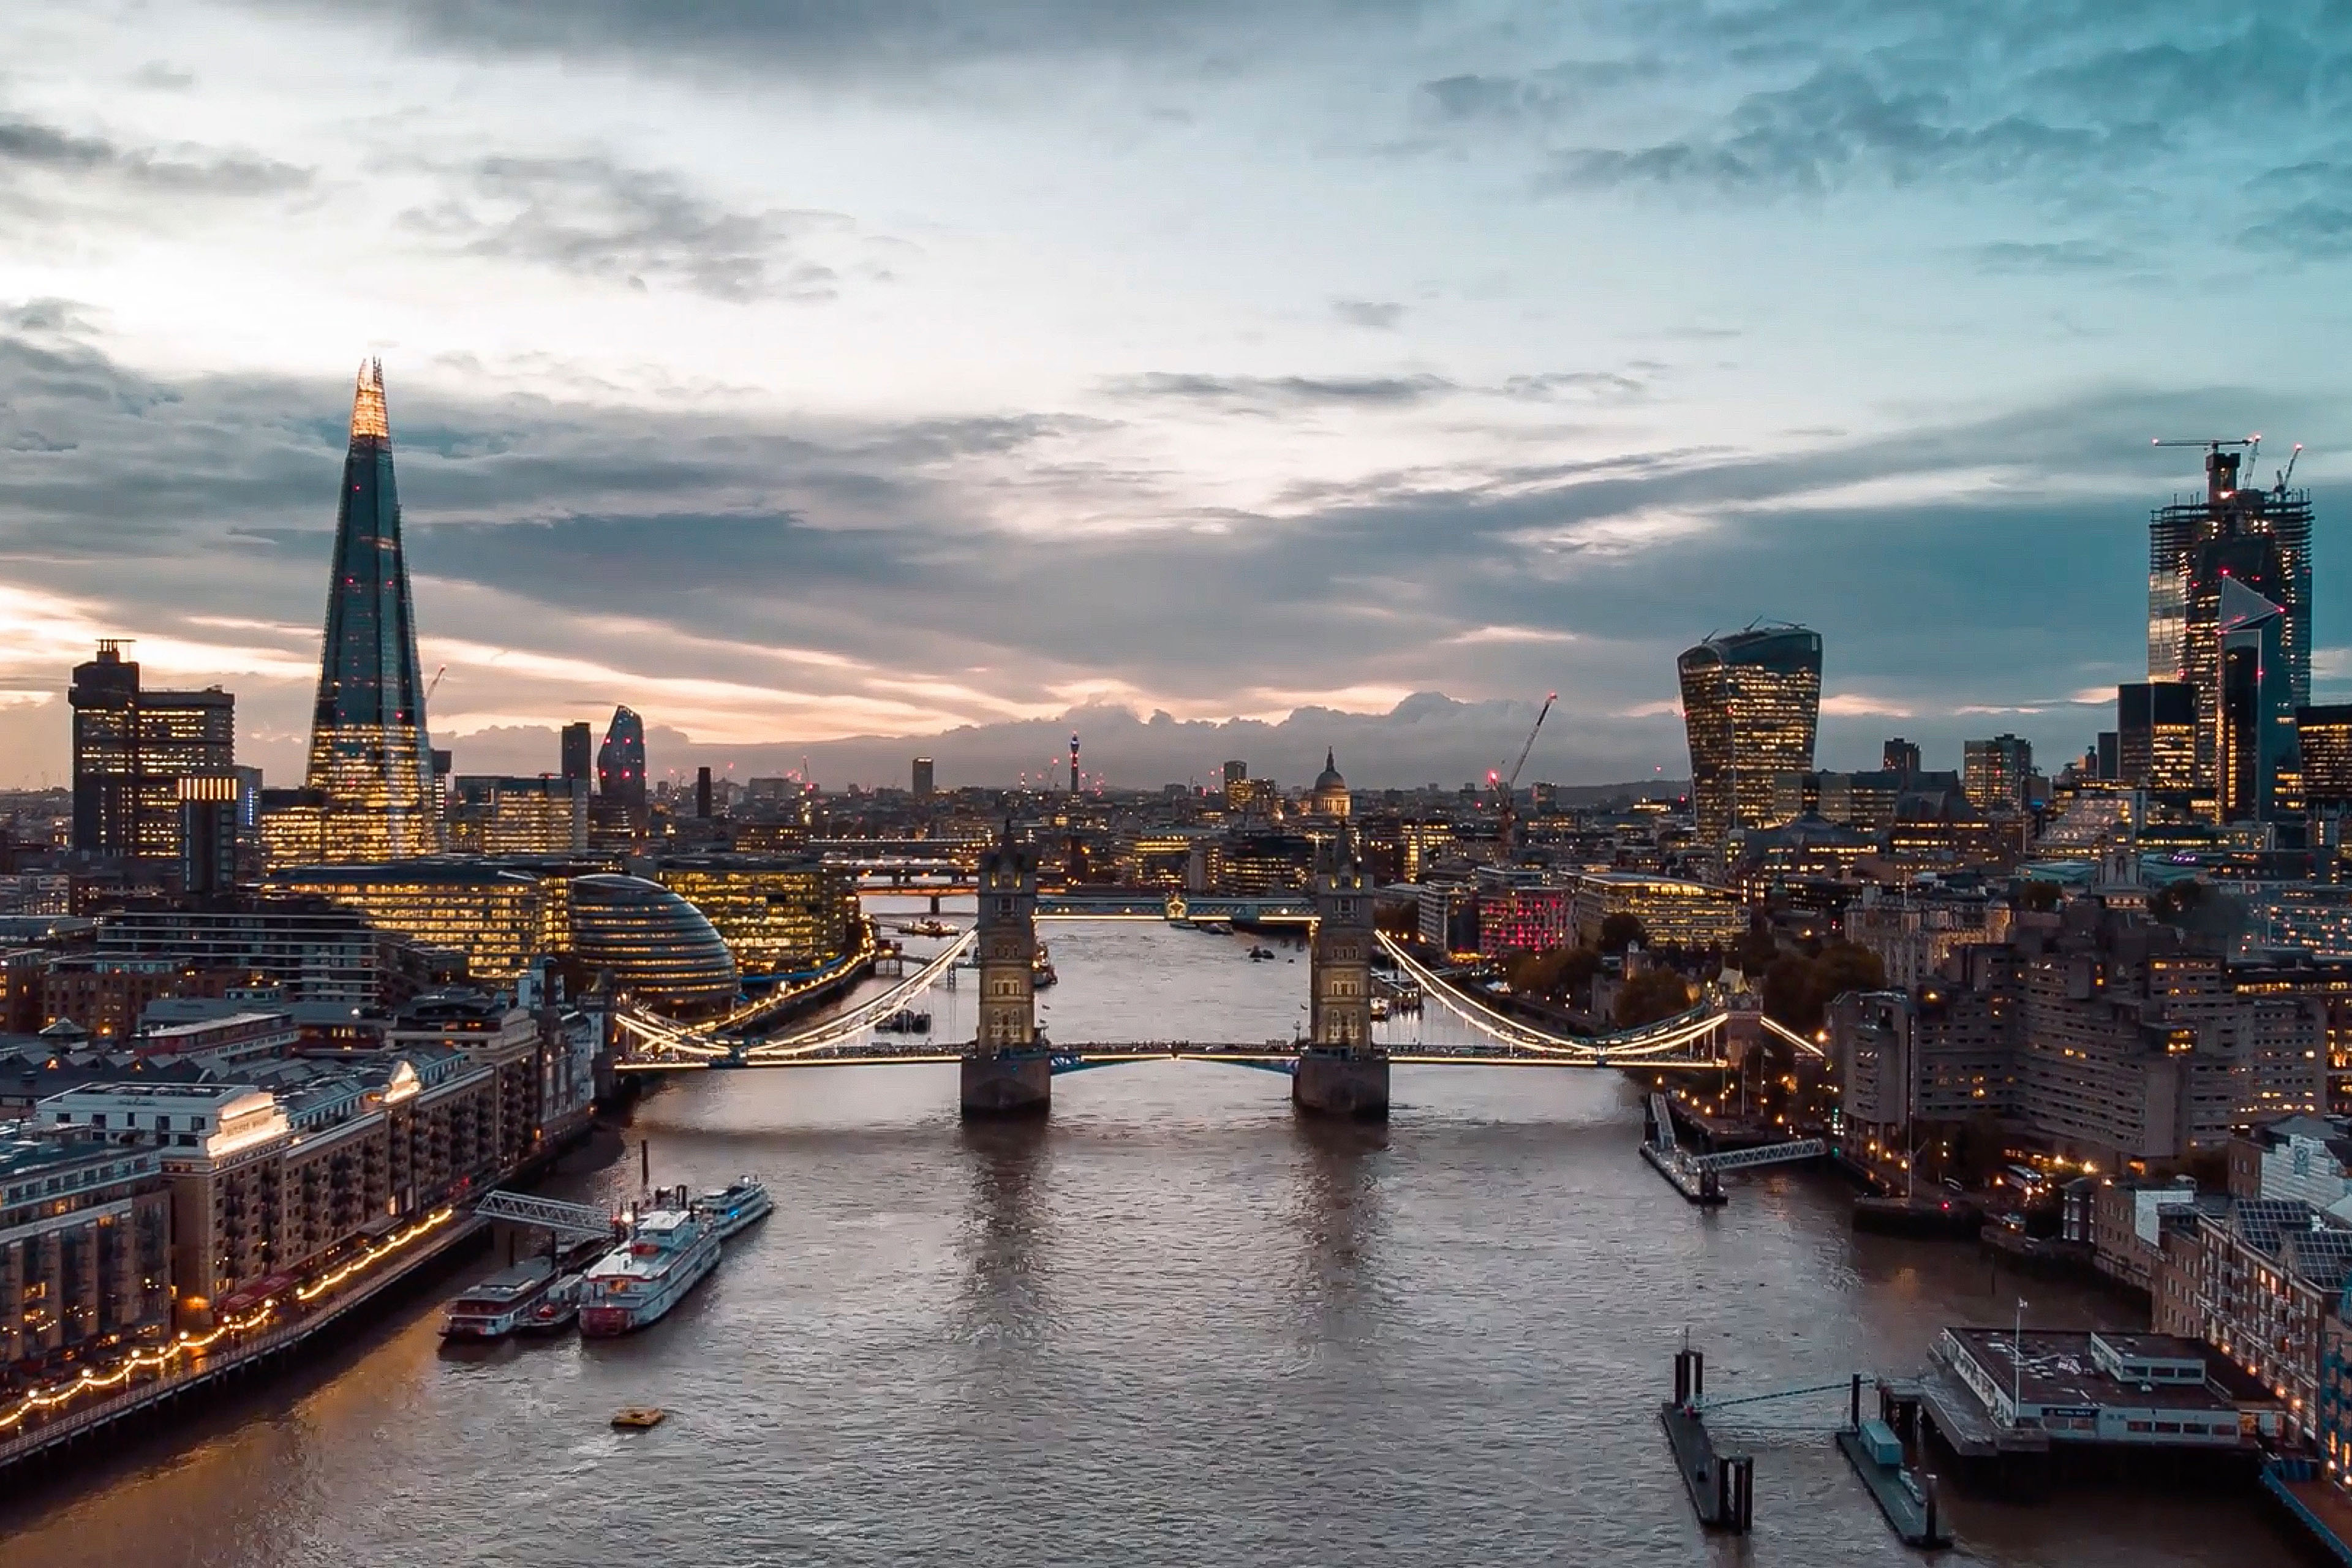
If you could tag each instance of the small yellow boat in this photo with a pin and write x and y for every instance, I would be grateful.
(637, 1417)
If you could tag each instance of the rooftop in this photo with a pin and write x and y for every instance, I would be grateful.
(2057, 1369)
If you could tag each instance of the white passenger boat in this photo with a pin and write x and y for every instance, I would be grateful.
(743, 1203)
(667, 1253)
(497, 1306)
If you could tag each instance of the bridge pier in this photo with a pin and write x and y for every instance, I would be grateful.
(1007, 1085)
(1341, 1085)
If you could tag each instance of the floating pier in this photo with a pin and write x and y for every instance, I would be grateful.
(1722, 1486)
(1907, 1498)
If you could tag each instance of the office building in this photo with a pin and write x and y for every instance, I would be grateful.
(496, 815)
(2254, 758)
(500, 918)
(777, 916)
(1996, 775)
(922, 781)
(1750, 703)
(1234, 772)
(2256, 538)
(577, 742)
(371, 759)
(1899, 756)
(1675, 912)
(310, 951)
(621, 767)
(2323, 743)
(651, 940)
(2156, 738)
(134, 750)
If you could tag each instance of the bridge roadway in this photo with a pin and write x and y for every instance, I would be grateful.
(1279, 1056)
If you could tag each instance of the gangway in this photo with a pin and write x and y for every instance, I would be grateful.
(1764, 1154)
(548, 1214)
(1662, 1122)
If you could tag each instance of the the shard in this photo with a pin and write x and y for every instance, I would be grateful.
(371, 760)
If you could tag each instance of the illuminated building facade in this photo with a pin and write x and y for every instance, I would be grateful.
(2156, 738)
(1526, 919)
(1996, 775)
(310, 950)
(2259, 539)
(1674, 912)
(621, 767)
(489, 814)
(135, 751)
(776, 916)
(500, 918)
(2255, 767)
(1330, 798)
(1750, 703)
(2323, 741)
(371, 759)
(1007, 951)
(653, 942)
(84, 1236)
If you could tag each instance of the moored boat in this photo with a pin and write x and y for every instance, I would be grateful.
(497, 1306)
(669, 1252)
(741, 1204)
(556, 1311)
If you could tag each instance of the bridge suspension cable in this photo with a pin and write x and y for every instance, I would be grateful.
(1653, 1044)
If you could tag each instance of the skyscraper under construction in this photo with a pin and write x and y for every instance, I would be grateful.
(2260, 539)
(371, 759)
(1750, 703)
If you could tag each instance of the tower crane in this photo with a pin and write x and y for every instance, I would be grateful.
(435, 684)
(1507, 789)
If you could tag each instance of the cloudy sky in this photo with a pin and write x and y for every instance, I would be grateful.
(797, 371)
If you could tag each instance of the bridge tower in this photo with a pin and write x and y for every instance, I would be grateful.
(1342, 1071)
(1007, 1072)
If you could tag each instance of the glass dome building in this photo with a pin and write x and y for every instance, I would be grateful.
(653, 942)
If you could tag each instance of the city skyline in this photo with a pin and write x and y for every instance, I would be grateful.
(869, 444)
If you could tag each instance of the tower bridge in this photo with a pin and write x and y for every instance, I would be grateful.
(1337, 1066)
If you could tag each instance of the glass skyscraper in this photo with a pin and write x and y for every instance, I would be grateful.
(621, 765)
(2256, 735)
(1750, 703)
(136, 749)
(2259, 539)
(371, 759)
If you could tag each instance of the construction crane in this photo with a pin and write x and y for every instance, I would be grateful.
(1507, 789)
(2287, 473)
(2220, 473)
(435, 684)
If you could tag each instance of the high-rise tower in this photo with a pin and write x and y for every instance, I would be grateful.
(2260, 539)
(620, 766)
(371, 759)
(1750, 703)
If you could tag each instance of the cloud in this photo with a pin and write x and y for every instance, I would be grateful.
(1260, 394)
(1379, 313)
(1595, 385)
(1840, 125)
(33, 148)
(592, 217)
(823, 41)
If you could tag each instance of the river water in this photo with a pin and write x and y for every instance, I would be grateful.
(1174, 1325)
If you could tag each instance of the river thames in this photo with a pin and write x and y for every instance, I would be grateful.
(1173, 1325)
